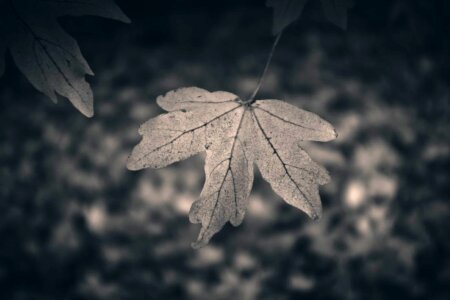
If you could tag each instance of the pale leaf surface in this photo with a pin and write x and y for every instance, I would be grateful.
(288, 169)
(229, 179)
(294, 122)
(235, 136)
(192, 97)
(178, 135)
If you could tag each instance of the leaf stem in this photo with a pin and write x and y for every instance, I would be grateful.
(263, 75)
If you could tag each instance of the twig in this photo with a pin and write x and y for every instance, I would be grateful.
(261, 79)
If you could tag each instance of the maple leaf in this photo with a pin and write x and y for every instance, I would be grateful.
(49, 58)
(287, 11)
(235, 135)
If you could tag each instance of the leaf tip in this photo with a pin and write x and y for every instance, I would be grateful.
(124, 18)
(87, 110)
(316, 213)
(119, 15)
(331, 134)
(132, 165)
(160, 101)
(199, 244)
(89, 71)
(87, 107)
(89, 113)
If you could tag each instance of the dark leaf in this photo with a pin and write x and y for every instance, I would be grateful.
(336, 11)
(50, 58)
(287, 11)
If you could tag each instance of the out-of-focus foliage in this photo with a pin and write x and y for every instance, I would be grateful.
(49, 57)
(235, 134)
(75, 224)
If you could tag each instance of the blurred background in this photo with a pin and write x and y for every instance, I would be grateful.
(76, 224)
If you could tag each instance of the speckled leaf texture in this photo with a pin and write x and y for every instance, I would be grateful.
(49, 58)
(287, 11)
(236, 136)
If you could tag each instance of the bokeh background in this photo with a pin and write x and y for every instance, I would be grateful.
(75, 224)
